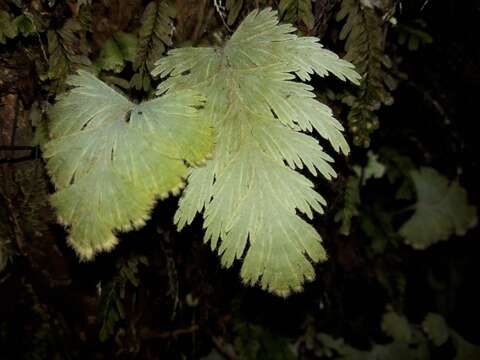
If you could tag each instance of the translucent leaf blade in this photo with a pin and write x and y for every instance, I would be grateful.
(110, 159)
(250, 194)
(441, 210)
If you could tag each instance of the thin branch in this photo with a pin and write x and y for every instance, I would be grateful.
(34, 151)
(17, 160)
(149, 334)
(16, 147)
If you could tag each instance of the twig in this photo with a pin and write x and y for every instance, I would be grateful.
(17, 147)
(17, 160)
(33, 155)
(221, 12)
(5, 278)
(424, 5)
(42, 47)
(152, 334)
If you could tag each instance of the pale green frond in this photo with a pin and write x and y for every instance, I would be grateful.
(196, 64)
(182, 135)
(250, 193)
(255, 200)
(442, 210)
(95, 100)
(110, 159)
(292, 103)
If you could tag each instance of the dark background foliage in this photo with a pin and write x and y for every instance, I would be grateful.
(162, 294)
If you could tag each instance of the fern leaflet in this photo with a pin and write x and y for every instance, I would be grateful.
(67, 50)
(293, 10)
(153, 36)
(363, 33)
(8, 30)
(110, 158)
(116, 51)
(442, 209)
(234, 7)
(250, 192)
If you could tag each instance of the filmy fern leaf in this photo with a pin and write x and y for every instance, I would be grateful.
(442, 210)
(352, 201)
(297, 10)
(67, 50)
(121, 47)
(153, 36)
(363, 33)
(8, 30)
(110, 158)
(234, 7)
(350, 206)
(250, 192)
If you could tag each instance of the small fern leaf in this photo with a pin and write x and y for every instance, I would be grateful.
(250, 192)
(67, 50)
(442, 210)
(363, 32)
(154, 36)
(297, 10)
(110, 158)
(397, 326)
(234, 7)
(8, 30)
(121, 47)
(436, 328)
(351, 202)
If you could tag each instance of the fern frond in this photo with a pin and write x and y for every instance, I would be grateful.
(110, 158)
(154, 36)
(250, 192)
(351, 202)
(297, 10)
(442, 210)
(66, 50)
(234, 7)
(8, 28)
(121, 47)
(112, 295)
(364, 31)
